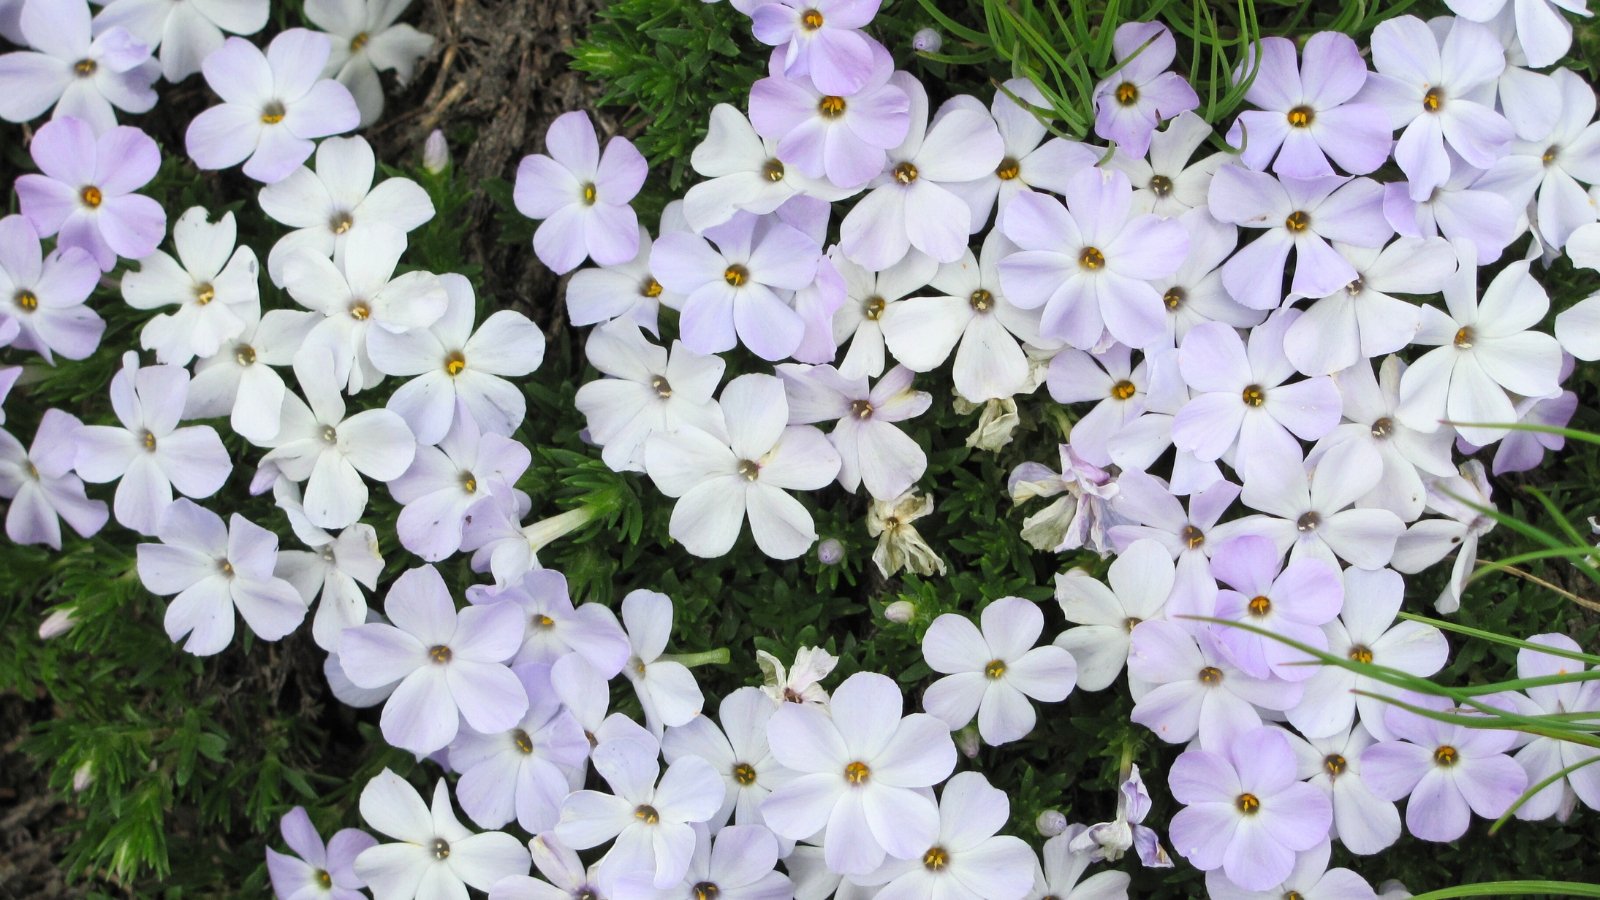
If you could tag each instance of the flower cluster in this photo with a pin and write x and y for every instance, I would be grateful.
(1245, 436)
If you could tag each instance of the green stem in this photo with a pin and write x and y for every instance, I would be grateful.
(717, 657)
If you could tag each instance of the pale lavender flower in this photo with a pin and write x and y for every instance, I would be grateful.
(456, 372)
(910, 204)
(1545, 757)
(1090, 263)
(1485, 351)
(1362, 320)
(1306, 115)
(972, 316)
(214, 286)
(1542, 31)
(599, 294)
(651, 822)
(82, 77)
(870, 298)
(1521, 451)
(649, 390)
(367, 40)
(1309, 512)
(568, 879)
(1291, 602)
(40, 484)
(213, 569)
(84, 193)
(42, 298)
(333, 572)
(1033, 158)
(1195, 292)
(1310, 879)
(1113, 382)
(582, 195)
(1140, 581)
(738, 750)
(731, 284)
(433, 855)
(1148, 509)
(861, 773)
(844, 139)
(967, 858)
(450, 664)
(874, 452)
(1458, 499)
(1450, 771)
(1165, 182)
(1108, 841)
(274, 105)
(556, 628)
(1366, 632)
(149, 452)
(185, 32)
(1300, 215)
(1245, 812)
(667, 690)
(995, 672)
(319, 444)
(719, 482)
(317, 871)
(820, 39)
(1408, 456)
(739, 864)
(521, 773)
(1241, 403)
(445, 482)
(1183, 685)
(1427, 83)
(1466, 207)
(1141, 93)
(1363, 822)
(329, 206)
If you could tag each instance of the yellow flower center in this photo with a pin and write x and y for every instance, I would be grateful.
(647, 814)
(1433, 99)
(1260, 606)
(1334, 764)
(1254, 395)
(1302, 116)
(27, 301)
(1297, 221)
(204, 293)
(469, 482)
(735, 275)
(981, 300)
(341, 222)
(1192, 536)
(1361, 654)
(324, 879)
(935, 859)
(589, 194)
(92, 197)
(359, 41)
(873, 308)
(1248, 804)
(1009, 169)
(439, 653)
(861, 409)
(705, 890)
(523, 742)
(1174, 297)
(1160, 185)
(660, 386)
(244, 355)
(857, 773)
(651, 288)
(1127, 93)
(1123, 389)
(831, 106)
(1465, 337)
(441, 848)
(85, 67)
(455, 363)
(1445, 756)
(905, 173)
(744, 773)
(1091, 258)
(1210, 675)
(273, 113)
(994, 670)
(543, 622)
(811, 20)
(749, 470)
(149, 441)
(773, 170)
(1550, 154)
(360, 311)
(1382, 428)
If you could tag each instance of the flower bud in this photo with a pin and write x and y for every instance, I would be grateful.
(900, 611)
(435, 153)
(56, 624)
(83, 777)
(968, 742)
(1051, 822)
(927, 40)
(830, 552)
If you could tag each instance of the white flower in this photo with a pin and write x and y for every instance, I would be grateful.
(434, 855)
(666, 688)
(186, 31)
(868, 296)
(649, 390)
(743, 172)
(84, 78)
(335, 569)
(360, 293)
(1164, 182)
(330, 206)
(1141, 580)
(367, 41)
(800, 684)
(872, 449)
(718, 482)
(738, 750)
(1409, 456)
(214, 285)
(239, 381)
(455, 368)
(994, 673)
(319, 445)
(1431, 540)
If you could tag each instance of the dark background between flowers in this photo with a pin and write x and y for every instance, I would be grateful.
(194, 760)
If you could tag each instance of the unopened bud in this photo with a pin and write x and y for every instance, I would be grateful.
(435, 153)
(968, 742)
(927, 40)
(56, 624)
(900, 611)
(83, 777)
(830, 552)
(1051, 822)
